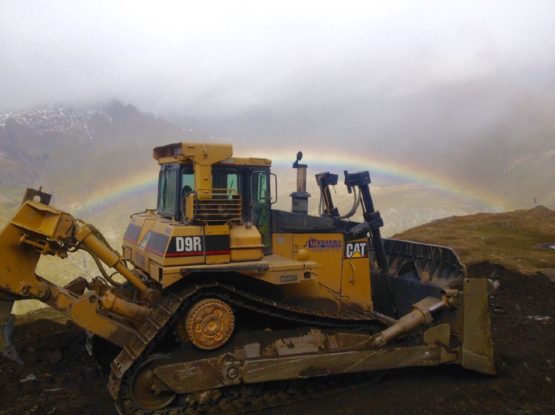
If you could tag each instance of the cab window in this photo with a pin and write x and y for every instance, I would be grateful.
(187, 186)
(167, 191)
(187, 182)
(226, 183)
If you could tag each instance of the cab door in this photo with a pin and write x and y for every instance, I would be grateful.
(260, 193)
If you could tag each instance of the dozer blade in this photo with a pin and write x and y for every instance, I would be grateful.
(477, 345)
(7, 323)
(418, 270)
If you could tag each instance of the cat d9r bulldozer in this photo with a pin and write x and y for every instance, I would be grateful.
(223, 304)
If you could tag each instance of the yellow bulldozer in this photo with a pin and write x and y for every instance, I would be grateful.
(219, 303)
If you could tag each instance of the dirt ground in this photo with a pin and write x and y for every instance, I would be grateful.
(60, 378)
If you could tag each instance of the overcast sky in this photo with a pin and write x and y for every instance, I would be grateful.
(465, 89)
(227, 57)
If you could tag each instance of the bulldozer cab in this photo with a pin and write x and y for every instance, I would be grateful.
(211, 189)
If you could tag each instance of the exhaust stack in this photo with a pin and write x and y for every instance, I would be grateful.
(300, 197)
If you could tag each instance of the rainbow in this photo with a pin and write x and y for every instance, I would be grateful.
(401, 172)
(144, 182)
(109, 194)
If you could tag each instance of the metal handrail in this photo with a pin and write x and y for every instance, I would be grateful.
(218, 205)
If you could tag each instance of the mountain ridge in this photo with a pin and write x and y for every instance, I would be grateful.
(76, 151)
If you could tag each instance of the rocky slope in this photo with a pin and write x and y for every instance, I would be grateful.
(522, 240)
(65, 148)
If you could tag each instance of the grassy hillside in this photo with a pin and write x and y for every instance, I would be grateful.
(518, 240)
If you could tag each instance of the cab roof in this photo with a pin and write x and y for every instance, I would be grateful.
(204, 154)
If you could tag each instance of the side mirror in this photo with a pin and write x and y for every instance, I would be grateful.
(274, 192)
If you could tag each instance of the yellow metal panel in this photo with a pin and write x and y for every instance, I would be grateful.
(155, 271)
(355, 281)
(327, 250)
(477, 347)
(355, 285)
(213, 230)
(245, 243)
(246, 254)
(175, 230)
(171, 277)
(246, 161)
(131, 250)
(203, 181)
(190, 206)
(206, 154)
(287, 271)
(18, 261)
(217, 259)
(312, 292)
(84, 313)
(282, 244)
(142, 257)
(272, 268)
(42, 219)
(201, 153)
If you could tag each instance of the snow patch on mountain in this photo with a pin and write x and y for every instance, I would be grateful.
(56, 119)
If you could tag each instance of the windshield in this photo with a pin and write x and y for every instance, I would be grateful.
(175, 182)
(226, 182)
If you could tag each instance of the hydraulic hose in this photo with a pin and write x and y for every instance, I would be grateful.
(86, 235)
(350, 213)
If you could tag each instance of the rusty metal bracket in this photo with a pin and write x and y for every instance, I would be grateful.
(37, 196)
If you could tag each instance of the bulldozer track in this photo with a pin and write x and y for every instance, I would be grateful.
(231, 399)
(234, 400)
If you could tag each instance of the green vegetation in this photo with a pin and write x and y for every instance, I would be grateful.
(518, 240)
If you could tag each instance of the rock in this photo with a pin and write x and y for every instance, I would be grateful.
(29, 378)
(499, 310)
(539, 318)
(53, 390)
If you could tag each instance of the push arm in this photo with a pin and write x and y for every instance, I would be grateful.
(372, 219)
(38, 229)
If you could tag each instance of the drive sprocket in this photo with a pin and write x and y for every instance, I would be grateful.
(208, 324)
